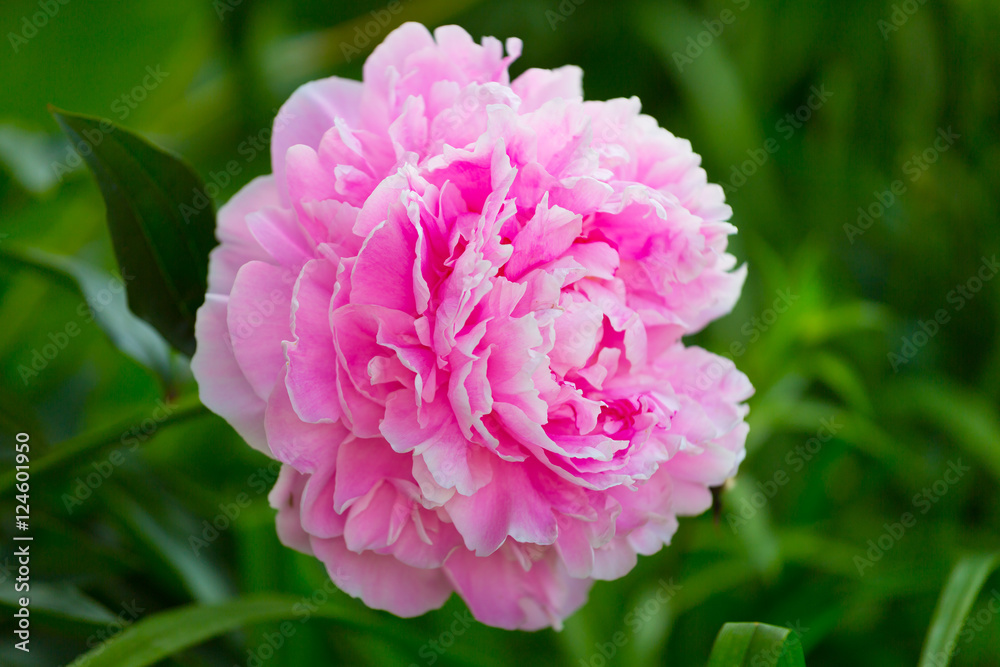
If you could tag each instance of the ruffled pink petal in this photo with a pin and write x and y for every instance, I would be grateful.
(510, 505)
(501, 592)
(312, 371)
(286, 497)
(237, 245)
(222, 386)
(383, 582)
(535, 86)
(302, 445)
(305, 118)
(258, 320)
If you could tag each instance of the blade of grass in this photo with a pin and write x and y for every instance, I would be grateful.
(756, 645)
(957, 598)
(168, 633)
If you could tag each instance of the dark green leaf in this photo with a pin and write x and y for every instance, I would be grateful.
(162, 224)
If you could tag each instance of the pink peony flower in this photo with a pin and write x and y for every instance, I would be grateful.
(454, 313)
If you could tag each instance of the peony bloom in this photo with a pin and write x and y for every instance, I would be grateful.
(454, 313)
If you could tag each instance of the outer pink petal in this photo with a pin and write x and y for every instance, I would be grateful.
(501, 593)
(383, 582)
(237, 245)
(286, 497)
(383, 68)
(221, 384)
(535, 86)
(279, 233)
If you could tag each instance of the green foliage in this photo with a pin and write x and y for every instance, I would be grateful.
(756, 645)
(127, 332)
(162, 223)
(957, 598)
(873, 460)
(168, 633)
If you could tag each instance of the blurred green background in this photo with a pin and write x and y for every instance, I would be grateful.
(807, 112)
